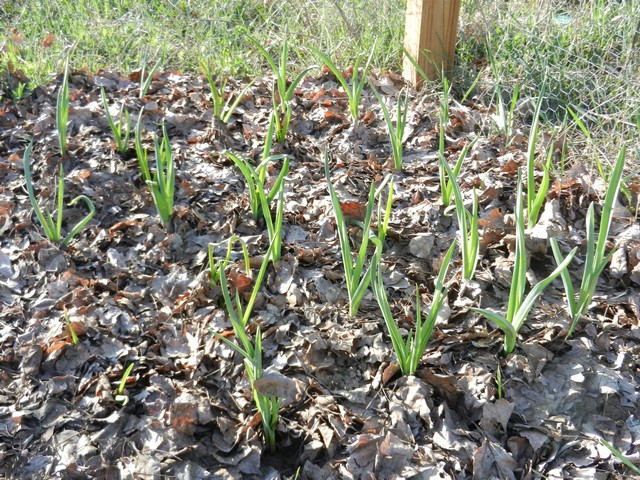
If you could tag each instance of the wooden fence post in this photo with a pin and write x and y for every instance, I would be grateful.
(431, 27)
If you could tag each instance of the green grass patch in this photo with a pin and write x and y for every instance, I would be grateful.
(123, 35)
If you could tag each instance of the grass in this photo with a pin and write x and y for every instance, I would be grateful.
(123, 35)
(584, 53)
(589, 62)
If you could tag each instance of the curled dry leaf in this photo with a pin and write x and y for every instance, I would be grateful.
(274, 384)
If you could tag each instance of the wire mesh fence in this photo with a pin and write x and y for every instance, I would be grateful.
(584, 55)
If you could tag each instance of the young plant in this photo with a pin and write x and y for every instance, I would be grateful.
(274, 225)
(223, 110)
(261, 200)
(53, 228)
(597, 257)
(281, 121)
(416, 65)
(256, 178)
(396, 132)
(354, 92)
(616, 453)
(535, 200)
(121, 137)
(281, 94)
(72, 332)
(519, 306)
(145, 81)
(141, 151)
(504, 117)
(62, 110)
(214, 272)
(357, 277)
(120, 397)
(469, 238)
(162, 185)
(409, 351)
(238, 313)
(267, 406)
(446, 186)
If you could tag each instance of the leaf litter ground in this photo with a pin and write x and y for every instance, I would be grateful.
(137, 294)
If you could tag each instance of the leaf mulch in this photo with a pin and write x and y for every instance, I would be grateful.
(137, 294)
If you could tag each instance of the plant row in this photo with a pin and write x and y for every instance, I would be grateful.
(361, 268)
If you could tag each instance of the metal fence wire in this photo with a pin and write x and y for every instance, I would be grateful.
(585, 53)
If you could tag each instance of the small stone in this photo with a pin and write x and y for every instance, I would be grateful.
(422, 244)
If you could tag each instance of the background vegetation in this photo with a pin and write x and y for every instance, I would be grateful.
(585, 53)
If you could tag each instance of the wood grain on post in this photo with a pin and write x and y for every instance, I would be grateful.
(431, 27)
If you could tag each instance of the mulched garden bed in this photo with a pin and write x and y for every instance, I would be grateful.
(137, 293)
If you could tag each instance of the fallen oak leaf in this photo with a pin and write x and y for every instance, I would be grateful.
(353, 210)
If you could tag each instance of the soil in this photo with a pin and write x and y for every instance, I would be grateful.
(139, 292)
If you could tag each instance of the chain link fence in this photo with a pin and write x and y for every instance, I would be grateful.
(584, 54)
